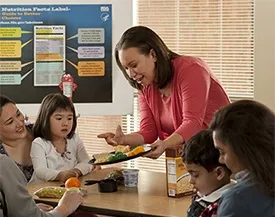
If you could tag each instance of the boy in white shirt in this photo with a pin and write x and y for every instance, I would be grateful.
(210, 178)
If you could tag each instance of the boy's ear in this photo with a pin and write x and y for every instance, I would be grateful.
(220, 172)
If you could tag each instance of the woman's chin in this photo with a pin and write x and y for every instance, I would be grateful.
(145, 83)
(18, 136)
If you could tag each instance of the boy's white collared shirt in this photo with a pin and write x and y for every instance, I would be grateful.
(215, 195)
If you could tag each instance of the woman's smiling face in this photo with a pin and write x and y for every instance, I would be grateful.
(139, 67)
(12, 125)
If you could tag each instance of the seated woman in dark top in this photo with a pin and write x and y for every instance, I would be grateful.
(16, 201)
(16, 139)
(15, 136)
(244, 133)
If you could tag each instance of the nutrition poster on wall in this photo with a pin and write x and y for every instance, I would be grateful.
(42, 44)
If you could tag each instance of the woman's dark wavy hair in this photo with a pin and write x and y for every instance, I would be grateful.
(3, 101)
(145, 40)
(51, 103)
(248, 128)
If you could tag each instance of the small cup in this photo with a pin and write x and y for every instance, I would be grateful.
(107, 185)
(130, 177)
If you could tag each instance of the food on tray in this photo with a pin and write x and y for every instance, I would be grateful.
(117, 156)
(122, 148)
(120, 152)
(109, 157)
(136, 151)
(57, 192)
(50, 192)
(102, 157)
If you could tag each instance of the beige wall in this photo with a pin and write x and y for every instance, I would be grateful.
(265, 52)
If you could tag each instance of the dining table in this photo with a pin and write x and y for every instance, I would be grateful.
(148, 199)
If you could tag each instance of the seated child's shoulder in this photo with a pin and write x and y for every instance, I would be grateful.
(40, 141)
(37, 140)
(75, 138)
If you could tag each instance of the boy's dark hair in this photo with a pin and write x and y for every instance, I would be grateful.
(51, 103)
(3, 101)
(200, 150)
(248, 127)
(145, 40)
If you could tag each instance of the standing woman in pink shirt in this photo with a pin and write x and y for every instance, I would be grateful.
(178, 95)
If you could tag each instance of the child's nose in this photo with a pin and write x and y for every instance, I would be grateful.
(65, 123)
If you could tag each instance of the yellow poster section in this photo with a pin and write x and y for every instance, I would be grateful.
(10, 49)
(91, 68)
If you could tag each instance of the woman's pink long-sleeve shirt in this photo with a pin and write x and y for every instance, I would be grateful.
(195, 96)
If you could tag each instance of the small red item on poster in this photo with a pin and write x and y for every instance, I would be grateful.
(67, 85)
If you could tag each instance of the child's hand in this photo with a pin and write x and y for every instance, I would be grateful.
(78, 172)
(64, 175)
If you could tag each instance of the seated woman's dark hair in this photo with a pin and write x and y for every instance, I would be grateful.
(4, 100)
(248, 128)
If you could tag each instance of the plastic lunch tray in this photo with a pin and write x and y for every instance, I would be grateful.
(146, 147)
